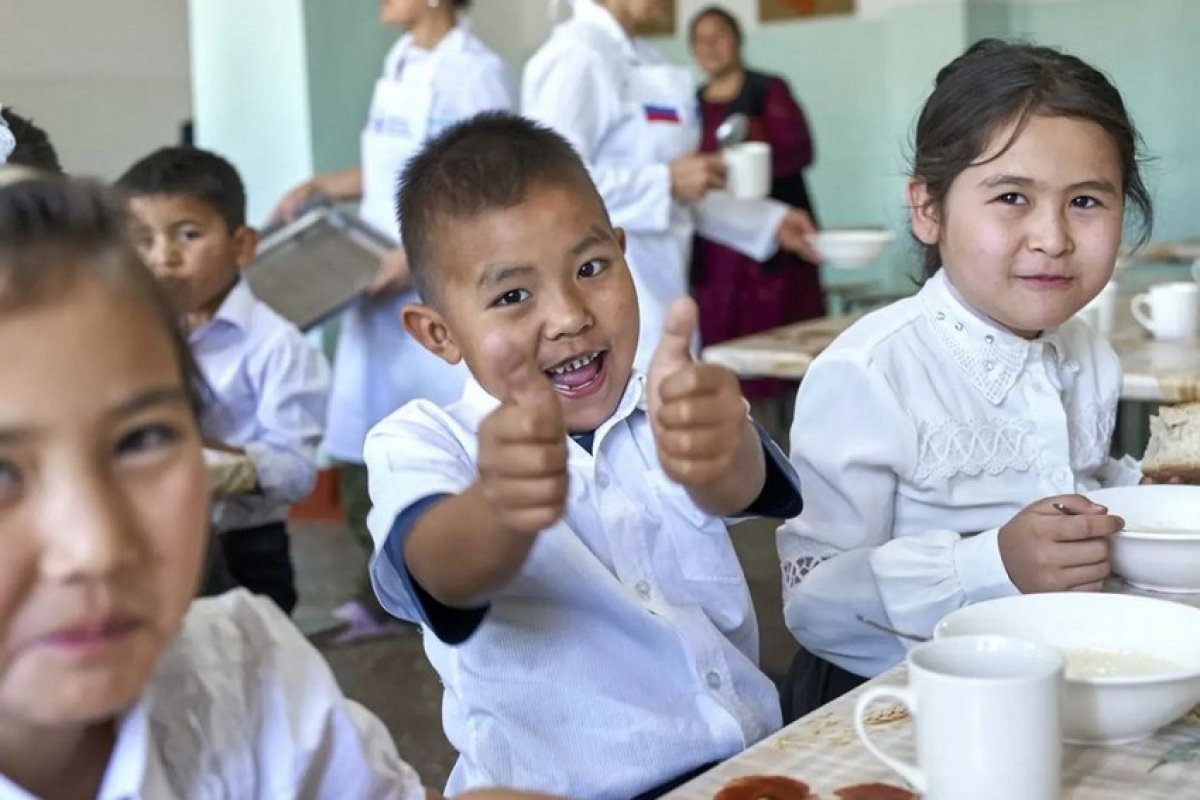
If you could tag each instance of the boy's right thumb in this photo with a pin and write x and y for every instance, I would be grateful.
(520, 381)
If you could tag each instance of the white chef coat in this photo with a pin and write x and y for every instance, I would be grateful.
(378, 366)
(629, 114)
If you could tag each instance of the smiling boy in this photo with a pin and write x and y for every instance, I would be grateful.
(558, 532)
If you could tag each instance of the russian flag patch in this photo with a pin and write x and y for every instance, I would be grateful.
(662, 114)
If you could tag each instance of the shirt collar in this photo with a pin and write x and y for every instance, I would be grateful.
(991, 357)
(235, 310)
(477, 400)
(124, 777)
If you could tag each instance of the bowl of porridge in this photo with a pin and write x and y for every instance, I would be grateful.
(1132, 663)
(1159, 549)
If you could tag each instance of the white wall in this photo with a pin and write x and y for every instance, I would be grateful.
(107, 80)
(251, 90)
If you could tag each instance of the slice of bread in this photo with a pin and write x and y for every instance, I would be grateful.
(1174, 448)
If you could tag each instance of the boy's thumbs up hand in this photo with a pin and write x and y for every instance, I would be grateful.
(522, 444)
(696, 410)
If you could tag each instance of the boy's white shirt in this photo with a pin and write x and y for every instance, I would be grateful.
(921, 423)
(625, 650)
(242, 706)
(270, 387)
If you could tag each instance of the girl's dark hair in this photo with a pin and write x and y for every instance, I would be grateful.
(33, 145)
(995, 83)
(721, 14)
(54, 232)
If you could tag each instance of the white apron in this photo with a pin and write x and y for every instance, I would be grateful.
(378, 366)
(664, 97)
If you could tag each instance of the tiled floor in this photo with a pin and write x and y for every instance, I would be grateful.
(392, 676)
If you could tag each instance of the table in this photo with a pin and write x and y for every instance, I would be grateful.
(1154, 371)
(823, 750)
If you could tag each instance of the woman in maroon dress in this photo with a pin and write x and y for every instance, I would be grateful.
(737, 295)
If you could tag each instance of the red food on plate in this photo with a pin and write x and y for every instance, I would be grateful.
(763, 787)
(874, 791)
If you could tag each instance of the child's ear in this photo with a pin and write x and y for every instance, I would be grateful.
(923, 213)
(425, 324)
(245, 239)
(621, 238)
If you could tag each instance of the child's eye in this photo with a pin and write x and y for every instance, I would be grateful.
(512, 297)
(190, 234)
(1012, 199)
(593, 268)
(10, 481)
(1085, 201)
(146, 438)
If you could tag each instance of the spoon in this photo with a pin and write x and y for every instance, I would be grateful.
(732, 130)
(886, 629)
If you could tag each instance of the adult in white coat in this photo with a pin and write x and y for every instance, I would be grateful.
(633, 118)
(435, 75)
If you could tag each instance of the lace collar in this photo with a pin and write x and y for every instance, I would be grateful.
(991, 357)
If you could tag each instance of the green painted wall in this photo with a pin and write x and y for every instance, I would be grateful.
(1149, 49)
(345, 46)
(861, 81)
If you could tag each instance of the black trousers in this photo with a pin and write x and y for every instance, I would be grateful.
(812, 682)
(260, 559)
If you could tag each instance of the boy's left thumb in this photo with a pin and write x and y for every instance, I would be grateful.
(675, 347)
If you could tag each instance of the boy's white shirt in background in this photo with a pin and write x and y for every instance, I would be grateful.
(922, 423)
(625, 650)
(242, 706)
(270, 387)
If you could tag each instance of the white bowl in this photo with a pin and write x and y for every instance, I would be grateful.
(850, 247)
(1111, 709)
(1160, 546)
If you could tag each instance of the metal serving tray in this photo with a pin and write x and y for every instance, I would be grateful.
(311, 268)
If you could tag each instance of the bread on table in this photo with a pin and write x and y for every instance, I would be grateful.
(1174, 448)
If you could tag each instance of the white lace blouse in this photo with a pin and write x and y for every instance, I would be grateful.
(917, 434)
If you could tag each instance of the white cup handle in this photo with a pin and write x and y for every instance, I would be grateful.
(910, 772)
(1140, 306)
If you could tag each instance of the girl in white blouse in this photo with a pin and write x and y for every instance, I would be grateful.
(935, 436)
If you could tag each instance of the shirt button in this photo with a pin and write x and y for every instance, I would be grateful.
(713, 679)
(989, 338)
(602, 480)
(643, 589)
(958, 326)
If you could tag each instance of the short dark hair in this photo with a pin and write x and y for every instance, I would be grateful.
(995, 83)
(55, 232)
(490, 161)
(720, 13)
(190, 172)
(33, 147)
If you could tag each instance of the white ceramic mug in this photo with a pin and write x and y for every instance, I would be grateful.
(748, 170)
(1101, 312)
(1169, 310)
(986, 719)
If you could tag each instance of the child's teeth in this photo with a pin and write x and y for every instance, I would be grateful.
(576, 364)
